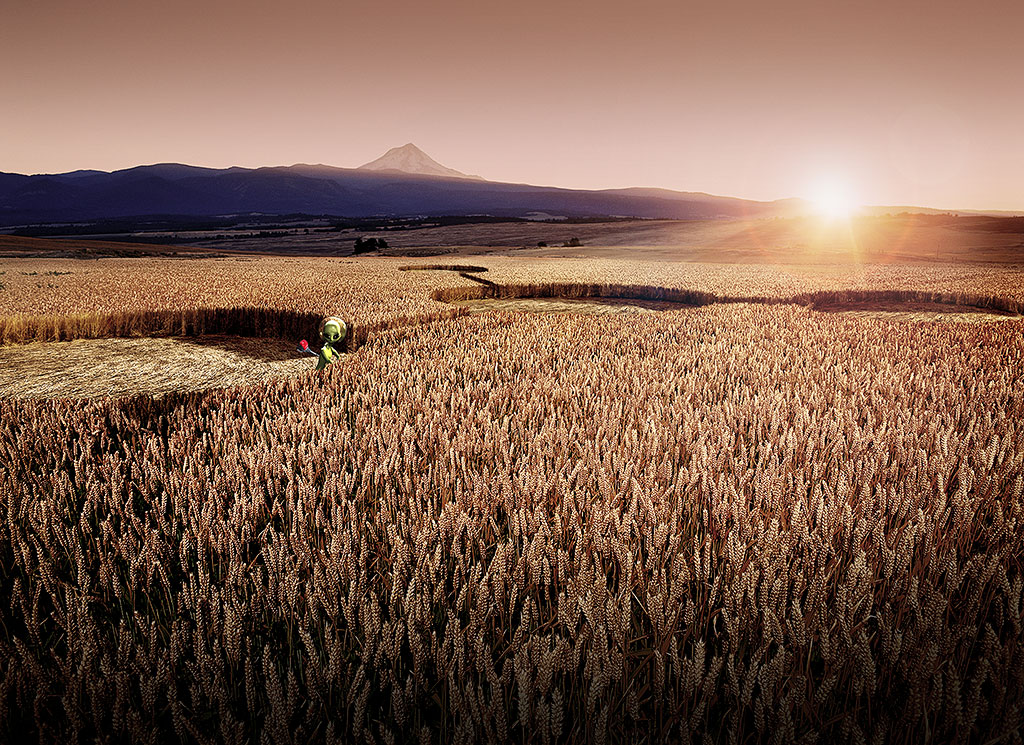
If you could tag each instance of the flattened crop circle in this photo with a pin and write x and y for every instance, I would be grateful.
(159, 352)
(149, 353)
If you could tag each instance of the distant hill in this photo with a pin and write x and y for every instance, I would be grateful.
(381, 188)
(404, 182)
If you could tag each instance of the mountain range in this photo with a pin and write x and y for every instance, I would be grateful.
(404, 182)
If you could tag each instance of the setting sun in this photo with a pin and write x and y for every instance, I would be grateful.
(833, 199)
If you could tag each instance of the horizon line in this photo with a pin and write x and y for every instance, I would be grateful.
(1003, 211)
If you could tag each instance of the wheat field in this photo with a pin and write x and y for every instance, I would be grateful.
(745, 520)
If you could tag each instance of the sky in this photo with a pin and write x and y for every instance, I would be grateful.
(896, 102)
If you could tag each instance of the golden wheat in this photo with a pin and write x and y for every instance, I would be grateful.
(734, 522)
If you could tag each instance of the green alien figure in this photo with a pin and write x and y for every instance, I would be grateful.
(332, 333)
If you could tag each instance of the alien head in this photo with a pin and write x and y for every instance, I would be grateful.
(332, 330)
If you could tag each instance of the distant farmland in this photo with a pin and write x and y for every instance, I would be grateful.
(877, 239)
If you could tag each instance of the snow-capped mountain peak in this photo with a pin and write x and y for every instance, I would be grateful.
(410, 159)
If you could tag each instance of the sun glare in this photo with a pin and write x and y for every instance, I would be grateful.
(833, 200)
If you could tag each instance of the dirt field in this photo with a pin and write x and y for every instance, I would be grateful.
(17, 247)
(811, 241)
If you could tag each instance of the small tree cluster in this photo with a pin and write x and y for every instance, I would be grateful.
(365, 245)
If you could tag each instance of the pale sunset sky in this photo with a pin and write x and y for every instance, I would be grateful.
(896, 102)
